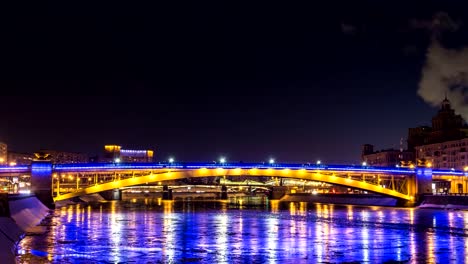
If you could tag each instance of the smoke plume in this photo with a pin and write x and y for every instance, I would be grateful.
(446, 70)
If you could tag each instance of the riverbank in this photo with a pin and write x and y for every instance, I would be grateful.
(354, 199)
(449, 202)
(20, 216)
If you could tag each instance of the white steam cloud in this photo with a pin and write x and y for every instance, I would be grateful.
(446, 70)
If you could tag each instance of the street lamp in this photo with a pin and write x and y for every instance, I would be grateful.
(222, 160)
(271, 161)
(364, 163)
(171, 160)
(319, 162)
(117, 160)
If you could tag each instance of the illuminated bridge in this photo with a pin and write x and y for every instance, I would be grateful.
(65, 181)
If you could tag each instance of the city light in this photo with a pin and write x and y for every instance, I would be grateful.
(222, 160)
(319, 162)
(12, 163)
(429, 165)
(364, 163)
(271, 161)
(466, 168)
(117, 160)
(171, 160)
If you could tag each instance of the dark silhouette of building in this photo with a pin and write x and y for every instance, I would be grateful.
(65, 157)
(446, 126)
(386, 157)
(443, 145)
(20, 158)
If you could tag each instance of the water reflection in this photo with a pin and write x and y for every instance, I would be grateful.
(148, 231)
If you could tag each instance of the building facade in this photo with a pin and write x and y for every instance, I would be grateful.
(20, 158)
(445, 155)
(115, 153)
(59, 157)
(3, 153)
(386, 157)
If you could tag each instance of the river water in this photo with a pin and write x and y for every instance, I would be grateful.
(155, 231)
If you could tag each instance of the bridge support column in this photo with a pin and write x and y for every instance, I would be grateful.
(112, 195)
(41, 182)
(423, 182)
(224, 194)
(167, 193)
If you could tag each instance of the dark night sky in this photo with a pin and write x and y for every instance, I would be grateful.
(200, 80)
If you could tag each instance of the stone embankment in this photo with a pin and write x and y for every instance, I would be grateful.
(19, 216)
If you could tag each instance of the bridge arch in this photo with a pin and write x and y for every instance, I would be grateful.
(177, 174)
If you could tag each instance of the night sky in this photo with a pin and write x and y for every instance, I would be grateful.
(200, 80)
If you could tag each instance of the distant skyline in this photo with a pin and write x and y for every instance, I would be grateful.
(294, 82)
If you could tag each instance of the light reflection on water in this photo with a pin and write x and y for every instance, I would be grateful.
(155, 231)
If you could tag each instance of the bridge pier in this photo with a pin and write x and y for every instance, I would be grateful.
(41, 182)
(277, 192)
(112, 195)
(167, 193)
(423, 182)
(224, 194)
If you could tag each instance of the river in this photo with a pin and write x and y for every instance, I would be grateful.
(155, 231)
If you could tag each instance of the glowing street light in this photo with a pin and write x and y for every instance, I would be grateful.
(364, 163)
(171, 159)
(222, 160)
(319, 162)
(117, 160)
(12, 163)
(271, 161)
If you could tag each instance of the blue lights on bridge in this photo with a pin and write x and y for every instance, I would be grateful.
(87, 167)
(15, 169)
(200, 165)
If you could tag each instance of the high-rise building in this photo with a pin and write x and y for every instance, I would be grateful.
(446, 126)
(115, 153)
(442, 145)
